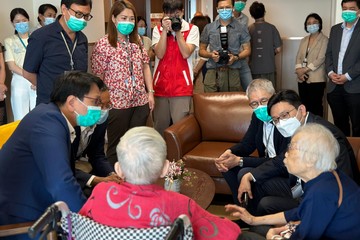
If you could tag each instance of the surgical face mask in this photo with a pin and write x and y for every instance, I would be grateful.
(125, 28)
(239, 6)
(225, 14)
(288, 127)
(49, 20)
(90, 118)
(22, 27)
(104, 115)
(262, 113)
(349, 16)
(313, 28)
(76, 24)
(141, 31)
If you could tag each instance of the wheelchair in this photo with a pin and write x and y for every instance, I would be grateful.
(69, 225)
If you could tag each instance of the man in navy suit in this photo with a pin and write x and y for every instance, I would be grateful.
(35, 166)
(343, 67)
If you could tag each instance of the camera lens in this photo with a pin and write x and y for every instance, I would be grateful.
(175, 24)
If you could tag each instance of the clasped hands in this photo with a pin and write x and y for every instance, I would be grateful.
(338, 78)
(226, 161)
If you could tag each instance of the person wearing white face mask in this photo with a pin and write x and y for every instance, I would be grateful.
(342, 63)
(310, 65)
(271, 188)
(46, 14)
(23, 93)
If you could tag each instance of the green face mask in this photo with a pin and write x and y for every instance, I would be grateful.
(76, 24)
(90, 118)
(239, 6)
(349, 16)
(125, 28)
(262, 114)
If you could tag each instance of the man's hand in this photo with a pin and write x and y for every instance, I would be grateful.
(245, 186)
(111, 178)
(232, 59)
(241, 213)
(338, 78)
(226, 161)
(215, 56)
(166, 24)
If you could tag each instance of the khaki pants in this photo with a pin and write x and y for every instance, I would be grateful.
(222, 80)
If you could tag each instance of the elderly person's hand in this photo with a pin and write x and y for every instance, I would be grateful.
(113, 177)
(240, 212)
(273, 232)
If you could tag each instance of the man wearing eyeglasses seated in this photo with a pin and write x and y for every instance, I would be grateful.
(89, 146)
(58, 48)
(270, 187)
(262, 136)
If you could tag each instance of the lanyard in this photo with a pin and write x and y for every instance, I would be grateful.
(22, 42)
(70, 53)
(267, 139)
(127, 46)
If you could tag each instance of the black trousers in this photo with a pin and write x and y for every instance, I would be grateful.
(121, 120)
(345, 107)
(311, 96)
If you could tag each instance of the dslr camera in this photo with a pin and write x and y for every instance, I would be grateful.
(175, 24)
(223, 53)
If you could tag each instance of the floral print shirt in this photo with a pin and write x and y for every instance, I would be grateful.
(122, 71)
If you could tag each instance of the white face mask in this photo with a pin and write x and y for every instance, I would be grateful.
(288, 127)
(103, 117)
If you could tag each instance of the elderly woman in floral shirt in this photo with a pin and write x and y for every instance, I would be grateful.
(120, 59)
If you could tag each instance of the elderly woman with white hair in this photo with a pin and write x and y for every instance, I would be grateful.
(330, 205)
(140, 203)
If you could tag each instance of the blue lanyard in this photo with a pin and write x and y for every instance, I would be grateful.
(21, 41)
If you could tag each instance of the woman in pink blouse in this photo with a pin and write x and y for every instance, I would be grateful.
(121, 60)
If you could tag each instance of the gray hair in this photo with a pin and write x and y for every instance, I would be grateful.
(141, 154)
(260, 84)
(318, 145)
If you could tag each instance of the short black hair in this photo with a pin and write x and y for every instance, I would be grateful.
(200, 22)
(43, 7)
(357, 2)
(170, 6)
(257, 10)
(139, 18)
(289, 96)
(74, 83)
(79, 2)
(317, 17)
(17, 11)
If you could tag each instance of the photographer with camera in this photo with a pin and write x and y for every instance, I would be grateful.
(174, 43)
(224, 41)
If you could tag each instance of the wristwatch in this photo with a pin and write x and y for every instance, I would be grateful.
(241, 163)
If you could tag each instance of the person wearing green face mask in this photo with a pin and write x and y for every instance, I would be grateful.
(68, 44)
(121, 60)
(262, 136)
(342, 61)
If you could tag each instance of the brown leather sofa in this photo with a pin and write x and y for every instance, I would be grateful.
(218, 122)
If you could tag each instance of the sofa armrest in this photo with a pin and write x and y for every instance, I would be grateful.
(182, 137)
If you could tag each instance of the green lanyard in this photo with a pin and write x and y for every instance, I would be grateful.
(22, 42)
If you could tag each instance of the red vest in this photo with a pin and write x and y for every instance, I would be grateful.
(172, 76)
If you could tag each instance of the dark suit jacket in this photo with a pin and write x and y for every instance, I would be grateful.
(95, 153)
(35, 167)
(345, 161)
(351, 62)
(253, 140)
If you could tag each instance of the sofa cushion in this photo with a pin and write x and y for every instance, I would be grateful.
(222, 117)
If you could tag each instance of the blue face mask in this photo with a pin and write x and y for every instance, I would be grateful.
(76, 24)
(49, 20)
(349, 16)
(90, 118)
(313, 28)
(22, 27)
(239, 6)
(262, 113)
(225, 14)
(125, 28)
(103, 117)
(141, 31)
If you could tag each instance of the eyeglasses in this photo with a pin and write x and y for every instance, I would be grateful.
(78, 14)
(283, 116)
(256, 104)
(97, 101)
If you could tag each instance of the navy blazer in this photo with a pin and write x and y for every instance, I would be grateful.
(35, 167)
(95, 153)
(351, 62)
(345, 161)
(253, 140)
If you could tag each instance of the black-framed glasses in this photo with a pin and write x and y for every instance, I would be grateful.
(282, 116)
(97, 101)
(255, 104)
(78, 14)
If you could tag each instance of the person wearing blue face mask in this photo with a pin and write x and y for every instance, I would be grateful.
(226, 43)
(261, 136)
(142, 28)
(58, 47)
(121, 60)
(23, 93)
(46, 14)
(310, 65)
(342, 61)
